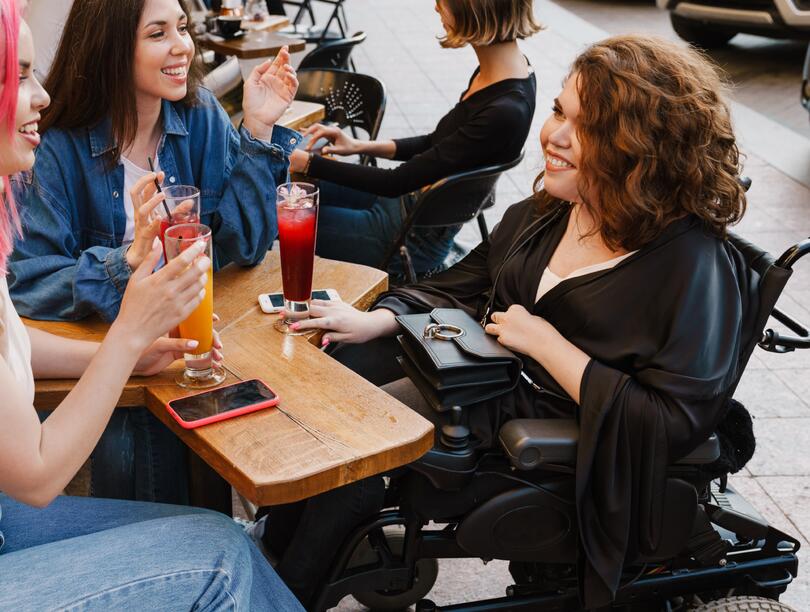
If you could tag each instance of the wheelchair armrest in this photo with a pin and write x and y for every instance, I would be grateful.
(706, 452)
(530, 443)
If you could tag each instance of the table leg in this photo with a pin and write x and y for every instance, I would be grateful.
(207, 489)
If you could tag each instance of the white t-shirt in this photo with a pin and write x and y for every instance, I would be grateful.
(132, 174)
(15, 345)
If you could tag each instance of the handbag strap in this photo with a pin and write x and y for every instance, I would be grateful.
(533, 229)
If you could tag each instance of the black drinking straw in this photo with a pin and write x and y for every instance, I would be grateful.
(165, 206)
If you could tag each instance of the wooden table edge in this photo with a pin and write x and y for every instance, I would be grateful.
(281, 491)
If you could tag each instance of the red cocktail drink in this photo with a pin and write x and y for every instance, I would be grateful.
(296, 233)
(178, 218)
(183, 202)
(297, 207)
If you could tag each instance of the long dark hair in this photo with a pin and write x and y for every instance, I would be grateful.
(92, 76)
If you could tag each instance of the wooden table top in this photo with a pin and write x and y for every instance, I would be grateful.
(253, 45)
(331, 427)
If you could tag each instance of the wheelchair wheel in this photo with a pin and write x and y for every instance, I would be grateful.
(743, 604)
(427, 570)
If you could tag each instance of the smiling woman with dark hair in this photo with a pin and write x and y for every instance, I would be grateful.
(125, 88)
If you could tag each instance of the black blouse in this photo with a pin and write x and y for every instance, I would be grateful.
(489, 127)
(664, 329)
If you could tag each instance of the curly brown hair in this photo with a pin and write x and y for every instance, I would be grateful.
(656, 138)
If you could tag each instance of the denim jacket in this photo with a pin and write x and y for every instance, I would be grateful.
(70, 262)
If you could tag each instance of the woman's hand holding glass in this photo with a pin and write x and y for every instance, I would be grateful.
(345, 323)
(145, 198)
(155, 303)
(165, 351)
(268, 93)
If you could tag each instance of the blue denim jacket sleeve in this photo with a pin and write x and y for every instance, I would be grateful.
(50, 276)
(245, 223)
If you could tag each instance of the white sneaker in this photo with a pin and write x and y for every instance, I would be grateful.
(255, 531)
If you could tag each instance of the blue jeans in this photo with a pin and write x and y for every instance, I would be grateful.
(139, 458)
(97, 554)
(359, 227)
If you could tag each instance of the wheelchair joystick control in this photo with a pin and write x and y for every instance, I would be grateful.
(455, 436)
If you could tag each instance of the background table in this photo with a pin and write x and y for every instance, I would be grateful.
(331, 427)
(253, 45)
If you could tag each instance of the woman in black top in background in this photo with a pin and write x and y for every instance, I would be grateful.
(361, 213)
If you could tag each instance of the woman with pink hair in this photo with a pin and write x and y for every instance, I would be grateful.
(60, 552)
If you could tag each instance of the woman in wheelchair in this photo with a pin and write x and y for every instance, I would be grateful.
(361, 213)
(613, 282)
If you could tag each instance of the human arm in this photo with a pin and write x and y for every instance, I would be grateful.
(344, 323)
(60, 271)
(38, 459)
(255, 161)
(342, 143)
(484, 139)
(55, 356)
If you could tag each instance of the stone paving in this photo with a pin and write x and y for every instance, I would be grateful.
(424, 81)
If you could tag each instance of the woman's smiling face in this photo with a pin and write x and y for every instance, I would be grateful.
(163, 51)
(17, 149)
(561, 146)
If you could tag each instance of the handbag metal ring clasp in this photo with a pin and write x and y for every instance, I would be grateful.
(443, 331)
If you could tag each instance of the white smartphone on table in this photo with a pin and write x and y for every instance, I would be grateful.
(274, 302)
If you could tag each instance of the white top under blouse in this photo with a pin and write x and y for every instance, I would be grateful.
(549, 280)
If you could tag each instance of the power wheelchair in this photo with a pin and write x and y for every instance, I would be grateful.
(517, 504)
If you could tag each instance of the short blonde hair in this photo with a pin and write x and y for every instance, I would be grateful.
(486, 22)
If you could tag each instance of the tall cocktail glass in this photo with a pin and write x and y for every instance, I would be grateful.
(297, 206)
(200, 371)
(183, 202)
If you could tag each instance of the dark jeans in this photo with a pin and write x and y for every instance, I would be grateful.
(359, 227)
(139, 458)
(306, 536)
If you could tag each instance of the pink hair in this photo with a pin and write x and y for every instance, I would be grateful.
(9, 85)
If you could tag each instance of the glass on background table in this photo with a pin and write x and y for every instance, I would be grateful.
(297, 208)
(200, 371)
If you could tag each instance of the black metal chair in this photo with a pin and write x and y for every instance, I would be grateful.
(352, 100)
(333, 54)
(314, 33)
(453, 200)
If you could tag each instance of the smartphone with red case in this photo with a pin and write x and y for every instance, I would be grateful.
(221, 403)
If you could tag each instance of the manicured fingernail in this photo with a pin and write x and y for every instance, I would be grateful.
(294, 325)
(325, 342)
(192, 344)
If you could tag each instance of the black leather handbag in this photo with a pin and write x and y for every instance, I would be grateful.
(453, 361)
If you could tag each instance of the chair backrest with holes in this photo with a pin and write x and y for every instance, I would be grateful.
(351, 99)
(332, 54)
